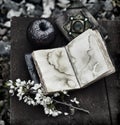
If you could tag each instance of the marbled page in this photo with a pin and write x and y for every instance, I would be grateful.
(103, 48)
(87, 58)
(55, 70)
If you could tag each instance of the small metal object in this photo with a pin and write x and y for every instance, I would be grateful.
(77, 24)
(75, 20)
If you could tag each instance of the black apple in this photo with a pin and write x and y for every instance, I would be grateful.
(41, 33)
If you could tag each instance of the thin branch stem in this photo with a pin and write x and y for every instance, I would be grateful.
(70, 105)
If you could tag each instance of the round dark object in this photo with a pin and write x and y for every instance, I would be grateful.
(78, 26)
(41, 33)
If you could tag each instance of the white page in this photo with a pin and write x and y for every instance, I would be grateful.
(86, 56)
(55, 68)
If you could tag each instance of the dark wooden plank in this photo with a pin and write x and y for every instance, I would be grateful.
(113, 81)
(93, 98)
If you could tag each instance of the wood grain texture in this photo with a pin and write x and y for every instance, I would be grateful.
(113, 81)
(94, 98)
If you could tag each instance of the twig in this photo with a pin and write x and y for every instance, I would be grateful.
(70, 105)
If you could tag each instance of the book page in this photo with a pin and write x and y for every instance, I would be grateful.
(87, 58)
(103, 48)
(55, 70)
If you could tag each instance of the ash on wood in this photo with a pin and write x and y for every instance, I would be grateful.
(95, 98)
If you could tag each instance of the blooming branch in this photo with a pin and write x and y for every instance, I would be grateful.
(32, 94)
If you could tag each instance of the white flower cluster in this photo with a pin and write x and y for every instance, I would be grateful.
(75, 101)
(32, 94)
(24, 89)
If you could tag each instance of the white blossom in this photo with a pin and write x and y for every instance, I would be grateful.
(11, 91)
(46, 110)
(59, 112)
(30, 82)
(75, 100)
(55, 113)
(27, 87)
(36, 86)
(9, 83)
(65, 93)
(22, 88)
(47, 100)
(29, 102)
(23, 83)
(20, 95)
(33, 103)
(37, 98)
(12, 87)
(65, 113)
(56, 94)
(18, 80)
(50, 111)
(25, 98)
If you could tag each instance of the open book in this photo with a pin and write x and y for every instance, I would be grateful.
(84, 60)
